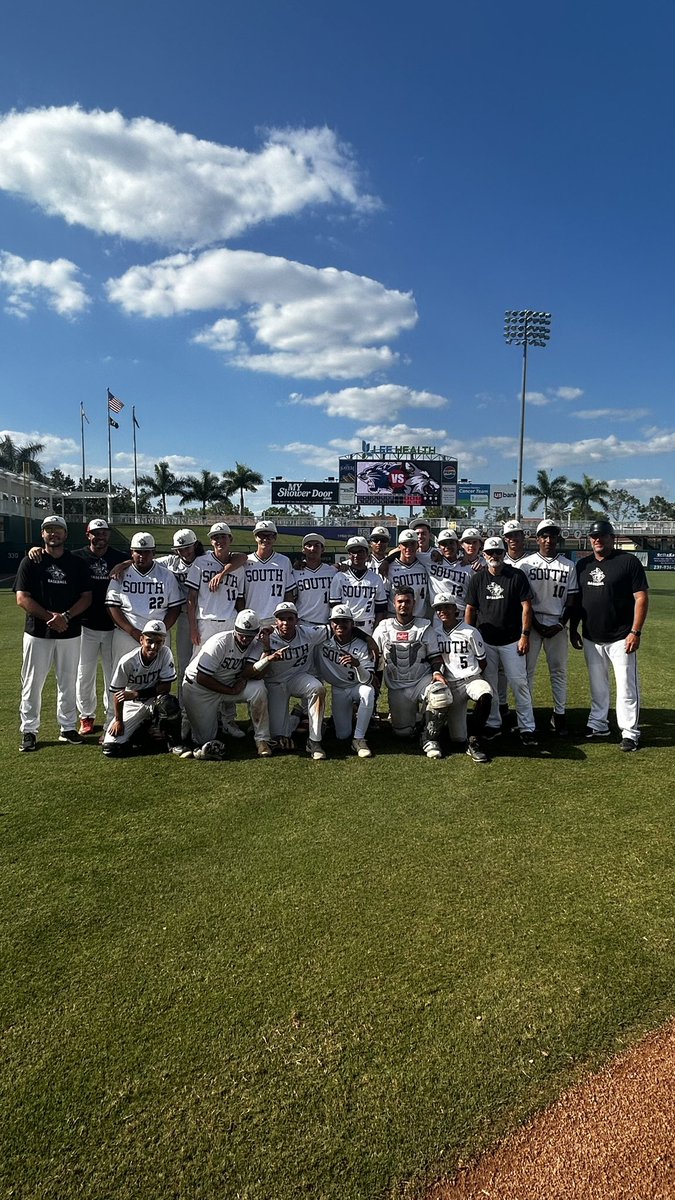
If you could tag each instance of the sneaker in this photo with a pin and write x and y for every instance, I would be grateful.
(529, 739)
(283, 743)
(28, 742)
(491, 732)
(111, 751)
(360, 747)
(628, 745)
(264, 750)
(475, 752)
(432, 750)
(232, 730)
(559, 724)
(211, 752)
(181, 751)
(86, 726)
(315, 750)
(71, 737)
(591, 734)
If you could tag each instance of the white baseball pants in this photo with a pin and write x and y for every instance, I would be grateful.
(405, 706)
(462, 691)
(38, 656)
(134, 714)
(182, 648)
(556, 651)
(515, 669)
(122, 643)
(202, 707)
(344, 699)
(301, 686)
(599, 656)
(94, 644)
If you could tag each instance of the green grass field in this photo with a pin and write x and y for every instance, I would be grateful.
(278, 979)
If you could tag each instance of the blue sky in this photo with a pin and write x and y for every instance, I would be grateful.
(281, 228)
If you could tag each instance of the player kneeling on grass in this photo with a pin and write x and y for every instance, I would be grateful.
(141, 684)
(228, 665)
(464, 660)
(345, 663)
(413, 673)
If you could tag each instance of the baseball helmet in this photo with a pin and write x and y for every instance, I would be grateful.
(600, 527)
(342, 612)
(184, 537)
(142, 541)
(212, 751)
(247, 622)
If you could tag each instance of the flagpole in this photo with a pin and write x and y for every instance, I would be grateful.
(83, 418)
(109, 457)
(134, 426)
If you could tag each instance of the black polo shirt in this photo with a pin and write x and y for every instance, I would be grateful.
(99, 567)
(56, 584)
(498, 600)
(607, 589)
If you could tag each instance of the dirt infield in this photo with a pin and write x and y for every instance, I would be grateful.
(609, 1138)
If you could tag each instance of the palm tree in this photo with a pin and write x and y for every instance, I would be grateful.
(13, 457)
(241, 480)
(582, 496)
(205, 489)
(162, 484)
(547, 491)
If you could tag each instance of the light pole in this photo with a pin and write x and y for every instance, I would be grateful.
(523, 327)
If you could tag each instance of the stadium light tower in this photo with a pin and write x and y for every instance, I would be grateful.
(523, 327)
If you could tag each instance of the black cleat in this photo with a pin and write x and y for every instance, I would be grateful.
(28, 742)
(559, 724)
(475, 751)
(628, 745)
(71, 737)
(592, 734)
(529, 740)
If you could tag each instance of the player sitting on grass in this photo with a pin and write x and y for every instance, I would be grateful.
(141, 684)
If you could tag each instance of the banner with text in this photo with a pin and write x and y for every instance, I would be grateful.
(284, 492)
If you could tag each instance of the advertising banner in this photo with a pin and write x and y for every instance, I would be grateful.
(474, 495)
(284, 492)
(502, 495)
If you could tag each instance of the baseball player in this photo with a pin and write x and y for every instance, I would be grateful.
(426, 551)
(613, 604)
(54, 593)
(96, 636)
(289, 653)
(345, 663)
(379, 545)
(464, 662)
(186, 548)
(228, 664)
(268, 576)
(140, 678)
(408, 571)
(514, 537)
(498, 604)
(215, 587)
(145, 591)
(472, 545)
(553, 580)
(412, 668)
(448, 573)
(313, 581)
(362, 590)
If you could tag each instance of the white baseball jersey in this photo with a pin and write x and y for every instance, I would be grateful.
(223, 658)
(297, 653)
(405, 650)
(416, 577)
(342, 675)
(463, 651)
(374, 564)
(178, 568)
(134, 674)
(365, 594)
(222, 604)
(313, 599)
(514, 562)
(142, 597)
(449, 578)
(266, 583)
(552, 581)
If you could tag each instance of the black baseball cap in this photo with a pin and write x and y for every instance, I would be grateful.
(600, 527)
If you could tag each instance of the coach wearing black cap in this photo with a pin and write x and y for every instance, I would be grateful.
(613, 602)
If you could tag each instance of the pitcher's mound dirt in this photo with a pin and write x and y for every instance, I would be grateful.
(609, 1138)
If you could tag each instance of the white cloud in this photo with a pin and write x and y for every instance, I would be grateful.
(323, 457)
(28, 280)
(301, 321)
(537, 399)
(372, 403)
(179, 464)
(616, 414)
(644, 489)
(142, 180)
(55, 448)
(566, 393)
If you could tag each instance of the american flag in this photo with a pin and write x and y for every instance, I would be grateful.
(114, 405)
